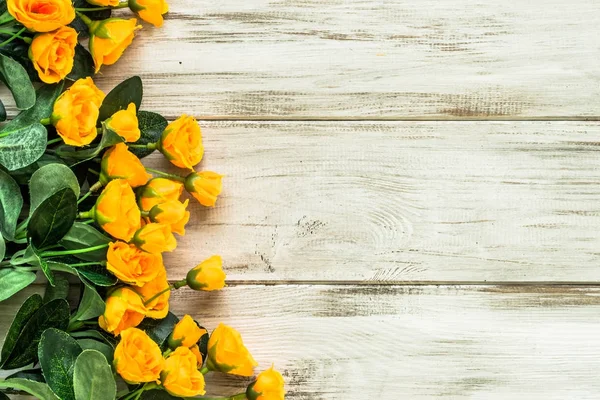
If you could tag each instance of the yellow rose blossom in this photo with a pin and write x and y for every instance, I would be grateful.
(76, 111)
(227, 353)
(208, 275)
(110, 38)
(157, 307)
(116, 210)
(104, 3)
(198, 354)
(42, 15)
(52, 54)
(124, 309)
(131, 265)
(155, 238)
(267, 386)
(158, 191)
(186, 333)
(181, 142)
(205, 186)
(172, 213)
(119, 163)
(138, 358)
(150, 11)
(180, 376)
(125, 124)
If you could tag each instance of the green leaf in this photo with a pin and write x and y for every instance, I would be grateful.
(18, 82)
(30, 374)
(128, 91)
(57, 352)
(41, 263)
(2, 247)
(93, 378)
(14, 280)
(54, 314)
(44, 103)
(2, 112)
(109, 138)
(78, 23)
(4, 396)
(97, 274)
(82, 236)
(106, 349)
(53, 218)
(83, 64)
(151, 126)
(91, 334)
(23, 146)
(91, 305)
(158, 395)
(28, 308)
(11, 202)
(48, 180)
(159, 329)
(60, 290)
(39, 390)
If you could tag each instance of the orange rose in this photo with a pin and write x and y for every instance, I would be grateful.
(138, 358)
(181, 377)
(208, 275)
(116, 210)
(124, 309)
(181, 142)
(104, 3)
(131, 265)
(186, 333)
(205, 186)
(42, 15)
(150, 11)
(119, 163)
(52, 54)
(267, 386)
(172, 213)
(158, 191)
(125, 124)
(76, 111)
(155, 238)
(227, 353)
(110, 38)
(158, 307)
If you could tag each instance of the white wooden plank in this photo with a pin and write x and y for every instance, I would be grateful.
(415, 342)
(399, 201)
(364, 58)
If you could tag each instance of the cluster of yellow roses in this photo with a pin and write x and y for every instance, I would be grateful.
(52, 49)
(180, 371)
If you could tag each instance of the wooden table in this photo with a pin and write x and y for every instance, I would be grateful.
(412, 195)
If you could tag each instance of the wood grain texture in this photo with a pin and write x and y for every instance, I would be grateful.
(399, 201)
(371, 59)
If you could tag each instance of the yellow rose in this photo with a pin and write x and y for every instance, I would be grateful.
(131, 265)
(76, 111)
(116, 210)
(186, 333)
(138, 358)
(155, 238)
(227, 353)
(150, 11)
(104, 3)
(181, 142)
(158, 308)
(125, 124)
(52, 53)
(119, 163)
(158, 191)
(110, 38)
(42, 15)
(180, 376)
(200, 357)
(208, 275)
(172, 213)
(124, 309)
(205, 186)
(267, 386)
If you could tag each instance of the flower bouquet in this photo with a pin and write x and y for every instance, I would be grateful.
(79, 209)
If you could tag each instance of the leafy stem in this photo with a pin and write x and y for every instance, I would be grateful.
(13, 37)
(165, 174)
(77, 251)
(176, 285)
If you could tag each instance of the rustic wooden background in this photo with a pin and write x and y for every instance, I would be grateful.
(411, 205)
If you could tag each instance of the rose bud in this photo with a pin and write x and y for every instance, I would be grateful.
(180, 376)
(208, 275)
(155, 238)
(109, 39)
(124, 309)
(158, 191)
(227, 353)
(125, 124)
(181, 142)
(186, 333)
(150, 11)
(119, 163)
(155, 295)
(172, 213)
(205, 186)
(267, 386)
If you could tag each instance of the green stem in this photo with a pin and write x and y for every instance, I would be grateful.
(92, 189)
(13, 37)
(4, 134)
(6, 17)
(86, 214)
(204, 371)
(53, 141)
(176, 285)
(74, 325)
(149, 146)
(170, 176)
(84, 18)
(89, 221)
(85, 264)
(45, 121)
(77, 251)
(123, 4)
(93, 171)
